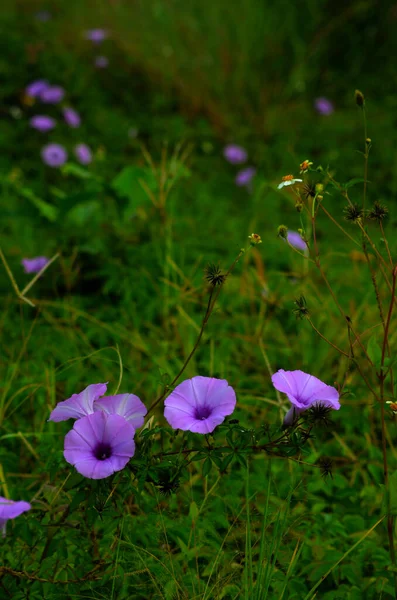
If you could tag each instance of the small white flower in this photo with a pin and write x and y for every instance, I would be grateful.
(288, 180)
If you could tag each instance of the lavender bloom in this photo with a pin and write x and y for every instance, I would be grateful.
(35, 88)
(304, 391)
(245, 176)
(128, 406)
(52, 94)
(296, 241)
(9, 509)
(83, 154)
(235, 154)
(99, 445)
(101, 62)
(72, 118)
(323, 106)
(96, 35)
(200, 404)
(78, 405)
(42, 123)
(54, 155)
(34, 265)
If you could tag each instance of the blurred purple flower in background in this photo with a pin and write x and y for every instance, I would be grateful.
(10, 509)
(234, 154)
(96, 35)
(101, 62)
(34, 265)
(43, 16)
(54, 155)
(245, 176)
(99, 445)
(52, 94)
(35, 88)
(83, 154)
(78, 405)
(42, 123)
(200, 404)
(72, 118)
(304, 391)
(295, 240)
(323, 106)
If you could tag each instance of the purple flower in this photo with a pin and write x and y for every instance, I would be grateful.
(93, 399)
(9, 509)
(42, 123)
(83, 154)
(323, 106)
(99, 445)
(235, 154)
(96, 35)
(34, 265)
(54, 155)
(101, 62)
(304, 391)
(200, 404)
(296, 241)
(35, 88)
(244, 177)
(71, 117)
(52, 94)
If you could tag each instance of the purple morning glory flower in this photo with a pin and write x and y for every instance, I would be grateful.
(200, 404)
(96, 35)
(128, 406)
(35, 88)
(101, 62)
(54, 155)
(42, 123)
(72, 118)
(9, 509)
(52, 94)
(78, 405)
(34, 265)
(83, 154)
(296, 241)
(323, 106)
(99, 445)
(244, 177)
(304, 391)
(235, 154)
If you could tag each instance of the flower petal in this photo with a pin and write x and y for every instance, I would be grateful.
(9, 509)
(128, 406)
(78, 405)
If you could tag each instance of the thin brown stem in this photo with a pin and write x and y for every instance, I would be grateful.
(327, 340)
(338, 225)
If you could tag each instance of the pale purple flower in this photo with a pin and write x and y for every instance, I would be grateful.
(96, 35)
(35, 88)
(52, 94)
(54, 155)
(10, 509)
(99, 445)
(101, 62)
(323, 106)
(72, 118)
(296, 241)
(200, 404)
(83, 154)
(234, 154)
(245, 176)
(304, 391)
(42, 123)
(93, 399)
(34, 265)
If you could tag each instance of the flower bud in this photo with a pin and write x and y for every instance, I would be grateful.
(359, 97)
(282, 231)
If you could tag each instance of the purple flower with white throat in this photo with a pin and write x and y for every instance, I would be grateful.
(54, 155)
(234, 154)
(96, 35)
(200, 404)
(323, 106)
(52, 94)
(42, 123)
(34, 265)
(72, 118)
(10, 509)
(101, 62)
(99, 445)
(245, 176)
(83, 154)
(296, 241)
(35, 88)
(304, 391)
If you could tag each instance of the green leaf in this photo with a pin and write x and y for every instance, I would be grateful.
(352, 182)
(48, 211)
(128, 184)
(207, 466)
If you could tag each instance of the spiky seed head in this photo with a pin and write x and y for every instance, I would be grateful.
(353, 213)
(214, 275)
(378, 212)
(301, 311)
